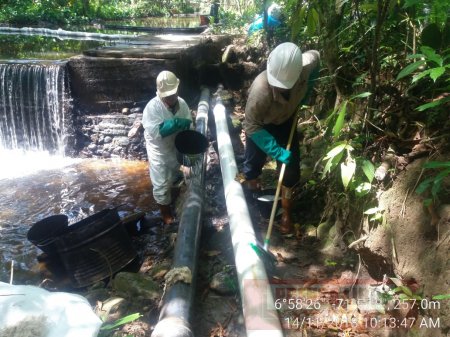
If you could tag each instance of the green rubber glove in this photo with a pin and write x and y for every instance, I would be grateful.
(168, 127)
(265, 141)
(183, 123)
(171, 126)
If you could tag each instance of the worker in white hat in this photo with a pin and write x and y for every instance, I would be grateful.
(269, 113)
(164, 116)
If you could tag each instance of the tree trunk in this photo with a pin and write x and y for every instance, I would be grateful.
(383, 6)
(331, 22)
(85, 5)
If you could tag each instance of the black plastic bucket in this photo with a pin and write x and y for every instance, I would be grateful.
(265, 200)
(190, 146)
(45, 232)
(95, 248)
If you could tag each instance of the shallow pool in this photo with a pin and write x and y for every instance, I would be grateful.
(75, 187)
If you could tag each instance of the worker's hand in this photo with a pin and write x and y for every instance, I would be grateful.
(284, 156)
(183, 123)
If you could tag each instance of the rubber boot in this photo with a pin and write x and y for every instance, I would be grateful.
(286, 225)
(166, 214)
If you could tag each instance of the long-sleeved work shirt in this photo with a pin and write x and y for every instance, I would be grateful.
(268, 106)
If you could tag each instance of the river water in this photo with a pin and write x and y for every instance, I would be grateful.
(35, 186)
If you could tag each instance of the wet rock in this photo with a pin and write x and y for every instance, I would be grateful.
(323, 229)
(85, 154)
(137, 328)
(224, 282)
(137, 126)
(179, 274)
(121, 141)
(92, 147)
(96, 295)
(94, 137)
(159, 271)
(111, 309)
(122, 131)
(311, 230)
(117, 129)
(136, 110)
(117, 151)
(111, 124)
(134, 284)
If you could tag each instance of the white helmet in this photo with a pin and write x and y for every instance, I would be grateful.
(167, 83)
(284, 65)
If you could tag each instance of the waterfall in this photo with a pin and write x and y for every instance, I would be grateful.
(34, 99)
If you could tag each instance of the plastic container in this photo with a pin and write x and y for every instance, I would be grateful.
(265, 200)
(190, 146)
(95, 248)
(44, 233)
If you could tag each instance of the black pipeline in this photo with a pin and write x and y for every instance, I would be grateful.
(175, 315)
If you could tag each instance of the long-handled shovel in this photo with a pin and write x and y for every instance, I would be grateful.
(280, 180)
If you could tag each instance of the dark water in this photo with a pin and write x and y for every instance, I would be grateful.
(77, 188)
(35, 45)
(20, 47)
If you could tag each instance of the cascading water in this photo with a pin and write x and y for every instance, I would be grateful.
(34, 101)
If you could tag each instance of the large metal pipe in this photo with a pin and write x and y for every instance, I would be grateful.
(175, 315)
(261, 318)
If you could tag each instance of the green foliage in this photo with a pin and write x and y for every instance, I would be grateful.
(375, 214)
(330, 263)
(125, 9)
(341, 112)
(356, 172)
(441, 297)
(304, 20)
(430, 66)
(403, 291)
(432, 36)
(107, 328)
(69, 12)
(434, 11)
(232, 20)
(433, 184)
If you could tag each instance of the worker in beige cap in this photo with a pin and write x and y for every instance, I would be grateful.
(164, 116)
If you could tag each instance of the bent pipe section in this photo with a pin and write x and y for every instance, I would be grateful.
(175, 315)
(261, 318)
